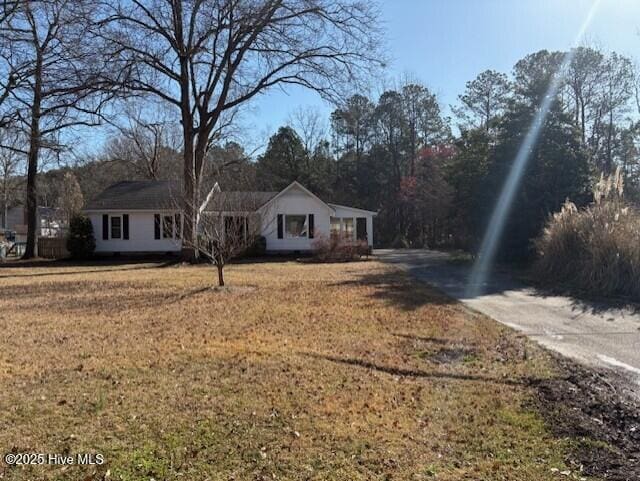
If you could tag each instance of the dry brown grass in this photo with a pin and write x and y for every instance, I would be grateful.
(298, 371)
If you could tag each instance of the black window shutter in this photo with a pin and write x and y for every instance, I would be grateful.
(310, 226)
(280, 227)
(156, 226)
(105, 226)
(361, 228)
(178, 227)
(125, 226)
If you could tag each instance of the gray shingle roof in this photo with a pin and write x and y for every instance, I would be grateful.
(161, 195)
(138, 195)
(239, 201)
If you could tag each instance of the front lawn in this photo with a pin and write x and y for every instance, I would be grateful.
(294, 372)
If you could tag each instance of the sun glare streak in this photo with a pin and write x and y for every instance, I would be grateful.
(493, 234)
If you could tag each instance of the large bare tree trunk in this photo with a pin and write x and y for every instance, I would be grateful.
(62, 82)
(216, 55)
(32, 168)
(189, 242)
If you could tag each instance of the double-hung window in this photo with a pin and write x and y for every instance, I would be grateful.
(116, 227)
(345, 227)
(348, 228)
(335, 226)
(167, 226)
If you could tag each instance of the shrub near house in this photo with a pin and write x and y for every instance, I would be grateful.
(339, 247)
(80, 241)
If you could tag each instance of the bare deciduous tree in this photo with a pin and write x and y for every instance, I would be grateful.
(229, 225)
(11, 162)
(71, 198)
(617, 91)
(311, 127)
(49, 44)
(583, 80)
(206, 58)
(147, 139)
(13, 68)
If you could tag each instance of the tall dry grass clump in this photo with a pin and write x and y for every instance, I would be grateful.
(595, 249)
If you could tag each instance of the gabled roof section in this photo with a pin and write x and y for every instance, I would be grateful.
(296, 184)
(238, 201)
(138, 195)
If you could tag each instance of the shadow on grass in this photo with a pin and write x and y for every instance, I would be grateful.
(399, 290)
(432, 340)
(416, 373)
(106, 265)
(189, 294)
(231, 289)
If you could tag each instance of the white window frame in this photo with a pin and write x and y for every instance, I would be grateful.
(305, 225)
(176, 229)
(342, 231)
(332, 221)
(353, 226)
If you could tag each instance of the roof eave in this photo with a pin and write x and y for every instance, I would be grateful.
(372, 212)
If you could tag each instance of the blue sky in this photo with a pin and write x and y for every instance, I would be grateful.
(445, 43)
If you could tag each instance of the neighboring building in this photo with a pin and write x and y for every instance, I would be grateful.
(11, 217)
(50, 220)
(144, 216)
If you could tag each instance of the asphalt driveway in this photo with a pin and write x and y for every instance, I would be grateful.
(596, 335)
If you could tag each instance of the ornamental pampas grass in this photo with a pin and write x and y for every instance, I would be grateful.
(596, 249)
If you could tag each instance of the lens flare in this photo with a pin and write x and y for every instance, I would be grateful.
(490, 242)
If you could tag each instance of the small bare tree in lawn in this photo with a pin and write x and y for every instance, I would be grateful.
(207, 58)
(229, 225)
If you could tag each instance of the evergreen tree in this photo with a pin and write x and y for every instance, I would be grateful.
(286, 160)
(557, 169)
(465, 173)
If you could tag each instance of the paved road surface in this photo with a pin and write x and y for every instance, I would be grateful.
(593, 334)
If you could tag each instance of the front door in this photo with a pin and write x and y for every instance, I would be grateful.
(361, 228)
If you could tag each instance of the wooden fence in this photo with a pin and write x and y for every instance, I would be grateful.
(52, 247)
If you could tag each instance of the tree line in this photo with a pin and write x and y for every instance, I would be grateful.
(435, 180)
(169, 87)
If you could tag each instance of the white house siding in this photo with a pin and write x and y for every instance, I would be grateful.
(294, 201)
(343, 212)
(141, 234)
